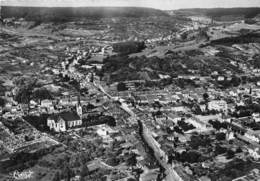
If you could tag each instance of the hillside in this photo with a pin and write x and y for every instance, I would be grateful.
(219, 13)
(47, 14)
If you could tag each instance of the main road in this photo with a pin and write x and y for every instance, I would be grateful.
(171, 174)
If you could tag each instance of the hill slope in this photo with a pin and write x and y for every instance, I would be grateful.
(47, 14)
(217, 13)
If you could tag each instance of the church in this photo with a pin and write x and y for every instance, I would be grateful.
(66, 120)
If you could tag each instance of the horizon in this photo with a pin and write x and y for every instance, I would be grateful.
(167, 5)
(123, 7)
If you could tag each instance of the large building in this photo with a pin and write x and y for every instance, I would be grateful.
(218, 105)
(64, 121)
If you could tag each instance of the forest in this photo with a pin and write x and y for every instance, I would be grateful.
(65, 14)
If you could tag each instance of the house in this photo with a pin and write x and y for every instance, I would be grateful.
(143, 100)
(219, 105)
(178, 108)
(173, 117)
(160, 118)
(251, 136)
(230, 135)
(64, 121)
(256, 117)
(64, 101)
(47, 104)
(253, 151)
(203, 107)
(197, 123)
(221, 78)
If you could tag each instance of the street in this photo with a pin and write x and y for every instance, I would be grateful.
(171, 174)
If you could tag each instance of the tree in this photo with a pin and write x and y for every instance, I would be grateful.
(2, 102)
(121, 86)
(239, 150)
(178, 129)
(191, 156)
(219, 150)
(235, 81)
(205, 96)
(110, 121)
(217, 124)
(199, 140)
(67, 173)
(56, 177)
(131, 160)
(131, 179)
(24, 94)
(84, 171)
(220, 136)
(41, 94)
(113, 161)
(230, 154)
(75, 84)
(128, 47)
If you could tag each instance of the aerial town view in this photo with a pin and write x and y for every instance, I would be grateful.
(140, 92)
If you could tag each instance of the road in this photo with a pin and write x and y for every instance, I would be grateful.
(171, 174)
(124, 106)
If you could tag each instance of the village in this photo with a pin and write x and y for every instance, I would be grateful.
(175, 102)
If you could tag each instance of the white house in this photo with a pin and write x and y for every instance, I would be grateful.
(253, 152)
(219, 105)
(197, 123)
(251, 136)
(256, 117)
(173, 117)
(203, 107)
(178, 108)
(221, 78)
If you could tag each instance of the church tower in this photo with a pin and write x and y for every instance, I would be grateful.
(79, 108)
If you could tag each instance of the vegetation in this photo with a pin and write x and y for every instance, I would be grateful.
(185, 126)
(234, 169)
(2, 102)
(219, 13)
(41, 94)
(39, 122)
(97, 120)
(128, 47)
(246, 12)
(63, 14)
(244, 38)
(25, 93)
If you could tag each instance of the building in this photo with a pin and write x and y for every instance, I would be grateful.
(198, 124)
(64, 121)
(179, 108)
(219, 105)
(173, 117)
(256, 117)
(253, 151)
(251, 136)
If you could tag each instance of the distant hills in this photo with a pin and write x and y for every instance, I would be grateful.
(46, 14)
(218, 13)
(53, 14)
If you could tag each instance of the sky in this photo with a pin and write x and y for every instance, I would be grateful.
(158, 4)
